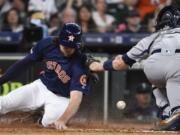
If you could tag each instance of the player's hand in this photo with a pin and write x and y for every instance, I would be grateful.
(118, 57)
(96, 67)
(118, 63)
(60, 125)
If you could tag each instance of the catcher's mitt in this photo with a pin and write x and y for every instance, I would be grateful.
(92, 76)
(90, 60)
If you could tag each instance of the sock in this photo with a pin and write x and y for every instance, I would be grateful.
(161, 100)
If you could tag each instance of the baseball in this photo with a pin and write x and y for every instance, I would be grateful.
(121, 105)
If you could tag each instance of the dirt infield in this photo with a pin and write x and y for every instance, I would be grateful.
(75, 126)
(24, 125)
(82, 129)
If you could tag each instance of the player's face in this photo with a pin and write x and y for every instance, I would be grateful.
(67, 52)
(143, 99)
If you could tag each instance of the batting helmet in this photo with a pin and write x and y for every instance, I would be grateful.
(70, 35)
(168, 16)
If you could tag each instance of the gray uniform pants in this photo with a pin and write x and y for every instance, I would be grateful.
(163, 71)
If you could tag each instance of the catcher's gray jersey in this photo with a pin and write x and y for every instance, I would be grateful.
(161, 52)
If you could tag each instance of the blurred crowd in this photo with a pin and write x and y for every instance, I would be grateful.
(142, 105)
(93, 15)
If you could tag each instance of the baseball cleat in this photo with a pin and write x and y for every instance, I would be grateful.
(171, 124)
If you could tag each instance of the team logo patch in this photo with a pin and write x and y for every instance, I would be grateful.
(83, 80)
(71, 38)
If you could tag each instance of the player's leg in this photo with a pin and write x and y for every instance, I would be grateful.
(173, 92)
(54, 107)
(24, 98)
(161, 102)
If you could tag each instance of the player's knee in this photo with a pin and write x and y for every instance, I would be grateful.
(2, 106)
(44, 123)
(47, 122)
(6, 105)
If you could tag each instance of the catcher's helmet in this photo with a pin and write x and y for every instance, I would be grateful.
(70, 35)
(168, 16)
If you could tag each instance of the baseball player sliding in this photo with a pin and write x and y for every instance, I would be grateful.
(161, 54)
(60, 87)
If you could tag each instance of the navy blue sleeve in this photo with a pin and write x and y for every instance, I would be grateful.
(79, 79)
(16, 69)
(37, 51)
(36, 54)
(128, 60)
(83, 58)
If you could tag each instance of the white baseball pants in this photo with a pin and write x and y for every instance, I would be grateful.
(32, 96)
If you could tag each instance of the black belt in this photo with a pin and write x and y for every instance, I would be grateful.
(159, 50)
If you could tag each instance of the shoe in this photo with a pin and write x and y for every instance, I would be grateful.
(171, 124)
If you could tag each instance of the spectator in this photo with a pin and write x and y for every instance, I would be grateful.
(131, 4)
(34, 30)
(12, 21)
(20, 6)
(176, 3)
(152, 15)
(133, 22)
(143, 109)
(149, 22)
(67, 16)
(149, 6)
(75, 4)
(53, 23)
(119, 11)
(4, 7)
(84, 18)
(48, 7)
(102, 20)
(61, 4)
(38, 19)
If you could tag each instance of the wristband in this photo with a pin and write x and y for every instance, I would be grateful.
(108, 65)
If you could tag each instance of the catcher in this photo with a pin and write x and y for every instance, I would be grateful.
(161, 54)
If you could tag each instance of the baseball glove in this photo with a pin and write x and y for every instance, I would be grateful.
(90, 60)
(92, 76)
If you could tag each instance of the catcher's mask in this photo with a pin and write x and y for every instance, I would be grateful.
(168, 16)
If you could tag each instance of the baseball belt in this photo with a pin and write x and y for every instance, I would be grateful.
(159, 51)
